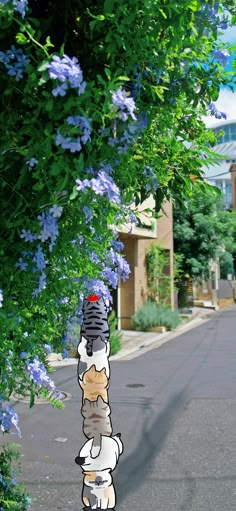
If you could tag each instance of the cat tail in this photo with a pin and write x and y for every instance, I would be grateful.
(96, 446)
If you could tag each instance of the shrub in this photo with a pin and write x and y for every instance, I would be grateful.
(12, 494)
(115, 335)
(150, 315)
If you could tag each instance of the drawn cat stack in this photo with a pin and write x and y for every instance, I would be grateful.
(100, 454)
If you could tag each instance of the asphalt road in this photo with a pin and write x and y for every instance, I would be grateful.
(175, 408)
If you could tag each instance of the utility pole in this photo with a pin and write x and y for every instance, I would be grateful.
(100, 454)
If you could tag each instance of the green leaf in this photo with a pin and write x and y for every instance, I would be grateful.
(74, 194)
(49, 44)
(21, 38)
(31, 399)
(122, 79)
(108, 6)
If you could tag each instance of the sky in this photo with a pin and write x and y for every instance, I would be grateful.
(227, 99)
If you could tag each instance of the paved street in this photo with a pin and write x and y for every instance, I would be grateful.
(175, 407)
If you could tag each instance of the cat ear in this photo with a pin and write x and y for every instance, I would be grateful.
(99, 399)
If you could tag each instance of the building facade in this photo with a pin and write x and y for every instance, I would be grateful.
(223, 174)
(132, 293)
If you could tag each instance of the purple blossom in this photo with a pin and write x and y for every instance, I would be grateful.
(64, 301)
(68, 72)
(8, 419)
(49, 228)
(111, 276)
(83, 124)
(23, 355)
(97, 287)
(120, 263)
(152, 181)
(56, 211)
(88, 212)
(124, 104)
(60, 90)
(28, 235)
(15, 62)
(20, 5)
(222, 56)
(48, 348)
(41, 285)
(39, 259)
(22, 264)
(31, 163)
(1, 298)
(38, 374)
(102, 185)
(117, 245)
(67, 143)
(65, 353)
(214, 111)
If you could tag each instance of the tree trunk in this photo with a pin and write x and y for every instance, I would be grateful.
(99, 455)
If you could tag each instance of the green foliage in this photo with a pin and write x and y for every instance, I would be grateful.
(154, 53)
(202, 231)
(151, 314)
(226, 265)
(115, 335)
(158, 277)
(13, 496)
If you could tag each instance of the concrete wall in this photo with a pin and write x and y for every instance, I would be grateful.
(134, 291)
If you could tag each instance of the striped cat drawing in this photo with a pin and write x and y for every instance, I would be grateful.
(99, 357)
(98, 490)
(97, 422)
(95, 383)
(95, 322)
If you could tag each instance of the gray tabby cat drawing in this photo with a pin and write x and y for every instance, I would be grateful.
(100, 454)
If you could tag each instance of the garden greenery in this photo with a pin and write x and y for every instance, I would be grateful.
(101, 106)
(150, 314)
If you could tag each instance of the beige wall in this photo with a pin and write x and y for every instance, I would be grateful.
(133, 292)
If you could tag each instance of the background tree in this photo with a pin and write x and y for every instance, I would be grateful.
(203, 231)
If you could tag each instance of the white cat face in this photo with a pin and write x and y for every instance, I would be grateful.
(111, 448)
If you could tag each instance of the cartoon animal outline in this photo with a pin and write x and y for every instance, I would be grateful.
(95, 318)
(98, 490)
(96, 422)
(101, 351)
(111, 449)
(95, 383)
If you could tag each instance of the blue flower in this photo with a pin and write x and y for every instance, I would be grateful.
(28, 235)
(68, 72)
(31, 163)
(21, 264)
(1, 298)
(15, 62)
(41, 285)
(39, 259)
(23, 355)
(38, 374)
(124, 104)
(83, 124)
(120, 263)
(20, 6)
(8, 419)
(222, 56)
(67, 143)
(49, 227)
(102, 185)
(48, 348)
(111, 276)
(56, 211)
(217, 113)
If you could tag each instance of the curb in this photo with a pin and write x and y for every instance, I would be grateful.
(142, 345)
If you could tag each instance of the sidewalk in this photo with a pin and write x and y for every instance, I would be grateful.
(135, 343)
